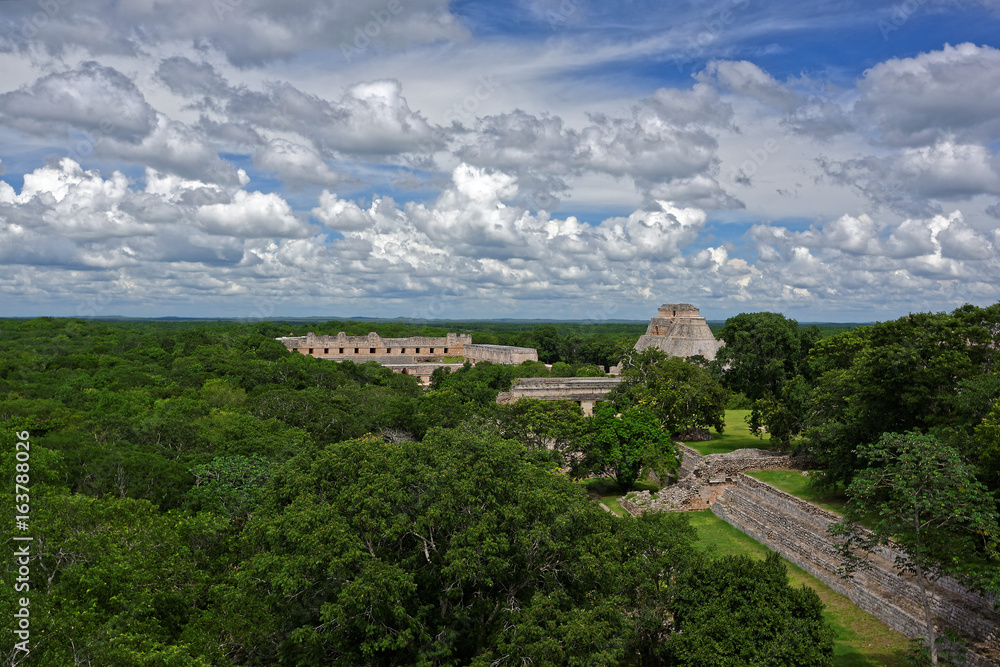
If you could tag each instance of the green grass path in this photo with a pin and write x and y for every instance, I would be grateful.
(736, 435)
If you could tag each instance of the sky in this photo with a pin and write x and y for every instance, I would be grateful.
(834, 161)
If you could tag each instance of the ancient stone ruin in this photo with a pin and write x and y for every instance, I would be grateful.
(679, 331)
(416, 355)
(584, 391)
(797, 530)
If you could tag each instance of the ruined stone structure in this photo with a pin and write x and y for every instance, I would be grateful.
(796, 529)
(679, 331)
(585, 391)
(416, 355)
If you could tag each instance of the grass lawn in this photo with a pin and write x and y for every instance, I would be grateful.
(736, 435)
(605, 490)
(795, 483)
(861, 640)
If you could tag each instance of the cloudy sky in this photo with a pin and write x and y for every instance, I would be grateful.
(831, 160)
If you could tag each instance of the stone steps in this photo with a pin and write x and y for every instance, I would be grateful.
(797, 530)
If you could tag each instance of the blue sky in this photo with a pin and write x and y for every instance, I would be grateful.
(833, 161)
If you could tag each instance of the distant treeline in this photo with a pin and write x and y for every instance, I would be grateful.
(573, 343)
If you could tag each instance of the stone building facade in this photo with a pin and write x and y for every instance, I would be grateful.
(679, 331)
(415, 355)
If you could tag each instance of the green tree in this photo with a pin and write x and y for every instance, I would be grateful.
(987, 451)
(425, 553)
(547, 342)
(740, 611)
(627, 445)
(928, 372)
(559, 425)
(763, 358)
(230, 486)
(921, 497)
(114, 582)
(680, 394)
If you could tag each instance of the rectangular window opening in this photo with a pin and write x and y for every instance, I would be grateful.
(371, 350)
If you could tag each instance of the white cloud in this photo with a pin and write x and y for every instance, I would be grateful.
(252, 215)
(898, 168)
(247, 33)
(953, 92)
(92, 98)
(912, 180)
(294, 163)
(745, 78)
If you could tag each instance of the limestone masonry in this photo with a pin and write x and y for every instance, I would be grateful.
(796, 529)
(679, 331)
(416, 355)
(585, 391)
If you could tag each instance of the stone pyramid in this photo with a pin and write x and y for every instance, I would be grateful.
(679, 331)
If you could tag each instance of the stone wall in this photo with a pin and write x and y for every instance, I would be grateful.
(585, 391)
(342, 346)
(422, 372)
(499, 354)
(797, 530)
(415, 355)
(690, 460)
(698, 474)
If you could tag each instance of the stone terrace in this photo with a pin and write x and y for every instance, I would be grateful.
(796, 529)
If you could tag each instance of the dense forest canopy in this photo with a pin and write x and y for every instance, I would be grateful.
(201, 495)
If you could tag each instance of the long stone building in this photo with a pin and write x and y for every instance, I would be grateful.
(416, 355)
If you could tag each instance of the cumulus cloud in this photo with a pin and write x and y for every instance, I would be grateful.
(903, 190)
(912, 180)
(664, 144)
(745, 78)
(175, 147)
(186, 77)
(370, 118)
(252, 215)
(857, 254)
(295, 164)
(248, 33)
(953, 92)
(92, 98)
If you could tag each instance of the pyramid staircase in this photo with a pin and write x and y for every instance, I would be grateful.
(797, 530)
